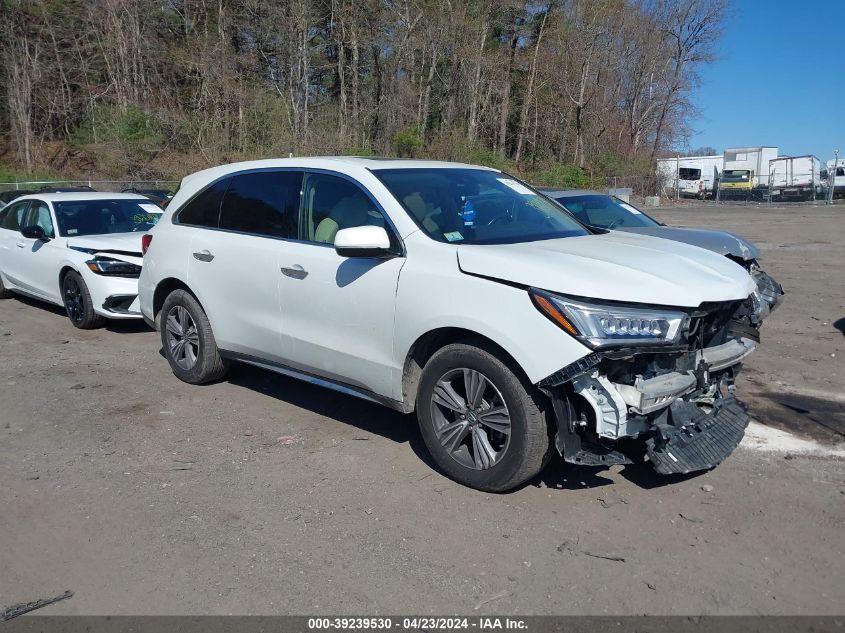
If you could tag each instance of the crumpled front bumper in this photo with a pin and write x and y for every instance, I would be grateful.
(769, 293)
(687, 419)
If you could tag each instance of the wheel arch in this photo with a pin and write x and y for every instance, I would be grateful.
(426, 345)
(164, 288)
(65, 269)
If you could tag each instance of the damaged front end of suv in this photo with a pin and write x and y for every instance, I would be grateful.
(658, 384)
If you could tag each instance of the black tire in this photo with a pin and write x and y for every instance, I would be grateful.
(198, 342)
(78, 304)
(530, 445)
(4, 294)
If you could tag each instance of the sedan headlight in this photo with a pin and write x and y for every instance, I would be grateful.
(114, 267)
(599, 325)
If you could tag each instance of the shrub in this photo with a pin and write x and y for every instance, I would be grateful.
(407, 141)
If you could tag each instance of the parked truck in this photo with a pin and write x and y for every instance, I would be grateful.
(745, 174)
(690, 176)
(795, 178)
(836, 176)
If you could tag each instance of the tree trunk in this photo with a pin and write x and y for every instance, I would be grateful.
(529, 90)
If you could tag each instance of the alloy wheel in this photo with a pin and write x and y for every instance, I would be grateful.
(182, 338)
(74, 305)
(471, 419)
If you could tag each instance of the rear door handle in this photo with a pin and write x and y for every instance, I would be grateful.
(20, 244)
(296, 271)
(203, 256)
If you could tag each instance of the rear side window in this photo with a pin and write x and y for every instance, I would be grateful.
(263, 203)
(12, 216)
(204, 209)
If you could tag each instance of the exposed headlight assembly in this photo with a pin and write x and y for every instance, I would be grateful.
(600, 326)
(114, 267)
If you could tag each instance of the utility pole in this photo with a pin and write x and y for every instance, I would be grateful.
(831, 177)
(677, 176)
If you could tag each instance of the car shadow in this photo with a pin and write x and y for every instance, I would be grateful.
(366, 416)
(118, 326)
(840, 325)
(560, 475)
(40, 305)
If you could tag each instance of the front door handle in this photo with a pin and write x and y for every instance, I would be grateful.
(296, 271)
(20, 244)
(203, 256)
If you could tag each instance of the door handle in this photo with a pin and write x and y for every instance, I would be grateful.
(203, 256)
(20, 244)
(296, 271)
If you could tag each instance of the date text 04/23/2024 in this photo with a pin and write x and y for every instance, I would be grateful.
(417, 623)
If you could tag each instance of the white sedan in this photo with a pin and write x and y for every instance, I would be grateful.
(78, 250)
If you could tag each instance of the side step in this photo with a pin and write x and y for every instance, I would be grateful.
(702, 441)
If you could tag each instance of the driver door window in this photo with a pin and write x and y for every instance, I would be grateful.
(329, 204)
(39, 215)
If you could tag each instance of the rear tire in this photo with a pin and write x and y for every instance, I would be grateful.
(188, 341)
(495, 441)
(78, 303)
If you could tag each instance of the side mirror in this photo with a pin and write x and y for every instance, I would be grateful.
(362, 241)
(35, 232)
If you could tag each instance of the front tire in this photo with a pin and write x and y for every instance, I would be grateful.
(188, 341)
(484, 425)
(78, 303)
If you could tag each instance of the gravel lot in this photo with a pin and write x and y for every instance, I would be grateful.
(264, 495)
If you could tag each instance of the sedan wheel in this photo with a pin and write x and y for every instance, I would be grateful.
(73, 299)
(78, 303)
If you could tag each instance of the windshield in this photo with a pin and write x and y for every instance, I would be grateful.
(477, 206)
(605, 212)
(735, 175)
(688, 173)
(99, 217)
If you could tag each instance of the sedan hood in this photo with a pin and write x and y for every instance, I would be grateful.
(720, 242)
(614, 266)
(122, 246)
(129, 243)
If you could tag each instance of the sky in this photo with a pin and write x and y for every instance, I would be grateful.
(780, 79)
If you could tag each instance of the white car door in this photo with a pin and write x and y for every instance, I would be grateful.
(338, 312)
(40, 260)
(234, 269)
(11, 260)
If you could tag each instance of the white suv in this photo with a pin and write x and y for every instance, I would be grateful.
(462, 294)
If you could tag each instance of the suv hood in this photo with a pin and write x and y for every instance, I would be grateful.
(614, 266)
(720, 242)
(122, 246)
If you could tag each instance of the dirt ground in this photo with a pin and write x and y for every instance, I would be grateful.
(263, 495)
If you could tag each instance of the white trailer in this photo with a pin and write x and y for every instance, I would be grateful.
(690, 176)
(795, 177)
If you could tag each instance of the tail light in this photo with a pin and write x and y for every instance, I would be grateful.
(146, 240)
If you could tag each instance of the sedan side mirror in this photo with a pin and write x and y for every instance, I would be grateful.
(35, 232)
(362, 241)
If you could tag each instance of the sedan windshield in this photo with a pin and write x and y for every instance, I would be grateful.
(477, 206)
(100, 217)
(605, 212)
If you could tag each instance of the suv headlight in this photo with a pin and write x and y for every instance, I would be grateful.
(599, 325)
(114, 267)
